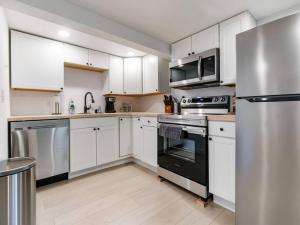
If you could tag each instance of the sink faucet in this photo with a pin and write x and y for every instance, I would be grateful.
(86, 108)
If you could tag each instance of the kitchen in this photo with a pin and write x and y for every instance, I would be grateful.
(129, 128)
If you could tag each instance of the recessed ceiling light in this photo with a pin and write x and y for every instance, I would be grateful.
(130, 53)
(64, 33)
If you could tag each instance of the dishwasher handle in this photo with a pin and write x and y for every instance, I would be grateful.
(41, 127)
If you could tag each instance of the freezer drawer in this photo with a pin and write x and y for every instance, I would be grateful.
(268, 163)
(47, 141)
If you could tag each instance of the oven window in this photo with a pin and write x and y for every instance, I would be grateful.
(208, 66)
(183, 148)
(184, 72)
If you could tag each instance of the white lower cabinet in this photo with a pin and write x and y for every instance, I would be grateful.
(222, 161)
(98, 141)
(93, 142)
(144, 142)
(150, 145)
(125, 136)
(107, 144)
(83, 149)
(137, 138)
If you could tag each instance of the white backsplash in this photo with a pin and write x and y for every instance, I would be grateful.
(78, 82)
(197, 92)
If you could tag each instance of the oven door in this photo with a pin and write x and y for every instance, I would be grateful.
(188, 156)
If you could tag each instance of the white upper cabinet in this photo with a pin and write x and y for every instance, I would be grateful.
(228, 31)
(125, 136)
(199, 42)
(206, 40)
(76, 55)
(116, 73)
(133, 75)
(98, 59)
(85, 57)
(36, 63)
(150, 74)
(182, 48)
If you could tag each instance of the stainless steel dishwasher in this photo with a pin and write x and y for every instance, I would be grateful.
(48, 142)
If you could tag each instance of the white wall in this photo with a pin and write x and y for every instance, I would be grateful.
(4, 84)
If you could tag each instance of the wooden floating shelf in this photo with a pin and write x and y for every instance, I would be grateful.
(36, 90)
(135, 95)
(83, 67)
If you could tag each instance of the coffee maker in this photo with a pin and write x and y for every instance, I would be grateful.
(110, 104)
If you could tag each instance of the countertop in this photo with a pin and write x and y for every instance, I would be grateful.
(223, 118)
(79, 116)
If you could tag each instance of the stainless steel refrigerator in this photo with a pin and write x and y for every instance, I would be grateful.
(268, 124)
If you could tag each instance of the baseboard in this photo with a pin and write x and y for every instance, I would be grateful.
(98, 168)
(224, 203)
(145, 165)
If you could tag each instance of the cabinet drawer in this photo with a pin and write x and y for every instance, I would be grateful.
(149, 121)
(92, 122)
(222, 129)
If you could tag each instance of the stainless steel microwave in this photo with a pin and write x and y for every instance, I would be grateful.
(197, 69)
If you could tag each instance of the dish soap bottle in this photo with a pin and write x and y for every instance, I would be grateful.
(71, 107)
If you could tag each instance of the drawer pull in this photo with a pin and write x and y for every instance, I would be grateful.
(221, 129)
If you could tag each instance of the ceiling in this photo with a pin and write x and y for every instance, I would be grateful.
(171, 20)
(23, 22)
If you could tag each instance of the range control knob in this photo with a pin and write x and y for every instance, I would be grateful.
(216, 99)
(189, 100)
(184, 101)
(223, 99)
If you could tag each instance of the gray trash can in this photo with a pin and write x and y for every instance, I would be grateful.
(17, 192)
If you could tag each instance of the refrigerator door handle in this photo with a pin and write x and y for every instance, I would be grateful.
(273, 98)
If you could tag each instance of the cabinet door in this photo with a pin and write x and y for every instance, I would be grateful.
(83, 147)
(222, 167)
(36, 63)
(125, 137)
(133, 75)
(76, 55)
(150, 145)
(150, 74)
(228, 31)
(98, 59)
(116, 75)
(137, 137)
(182, 48)
(107, 144)
(206, 39)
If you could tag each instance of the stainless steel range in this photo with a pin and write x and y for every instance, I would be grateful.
(183, 142)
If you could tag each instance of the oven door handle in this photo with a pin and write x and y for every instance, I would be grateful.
(198, 131)
(192, 130)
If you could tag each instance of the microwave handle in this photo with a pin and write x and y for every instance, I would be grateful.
(199, 67)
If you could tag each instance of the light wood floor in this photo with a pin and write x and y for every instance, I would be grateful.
(124, 195)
